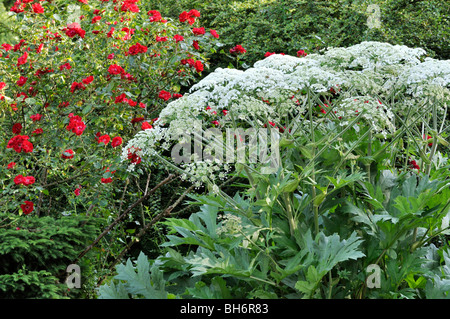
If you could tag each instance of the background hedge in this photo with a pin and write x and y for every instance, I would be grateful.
(290, 25)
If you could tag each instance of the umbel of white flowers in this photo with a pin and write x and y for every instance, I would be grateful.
(274, 89)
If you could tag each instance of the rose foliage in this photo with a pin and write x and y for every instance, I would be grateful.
(81, 81)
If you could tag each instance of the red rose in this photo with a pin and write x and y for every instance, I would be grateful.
(28, 180)
(198, 31)
(17, 128)
(301, 53)
(189, 16)
(6, 47)
(127, 76)
(155, 15)
(116, 141)
(37, 131)
(66, 66)
(21, 81)
(67, 154)
(146, 125)
(178, 38)
(74, 29)
(18, 180)
(198, 66)
(136, 49)
(88, 80)
(164, 95)
(194, 13)
(25, 180)
(17, 7)
(27, 207)
(214, 33)
(76, 125)
(177, 95)
(37, 8)
(238, 49)
(77, 86)
(135, 159)
(115, 69)
(129, 5)
(195, 45)
(11, 165)
(77, 191)
(110, 56)
(23, 59)
(20, 143)
(183, 16)
(161, 39)
(96, 19)
(2, 85)
(121, 98)
(36, 117)
(104, 139)
(106, 180)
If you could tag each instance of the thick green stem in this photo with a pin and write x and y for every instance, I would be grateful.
(289, 213)
(312, 163)
(369, 153)
(434, 145)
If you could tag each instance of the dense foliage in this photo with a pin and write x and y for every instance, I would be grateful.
(290, 25)
(35, 252)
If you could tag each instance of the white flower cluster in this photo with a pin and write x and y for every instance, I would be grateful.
(230, 225)
(274, 89)
(428, 77)
(370, 55)
(372, 111)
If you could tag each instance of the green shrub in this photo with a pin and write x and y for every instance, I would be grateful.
(290, 25)
(35, 252)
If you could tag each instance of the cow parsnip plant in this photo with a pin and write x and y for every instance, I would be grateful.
(363, 183)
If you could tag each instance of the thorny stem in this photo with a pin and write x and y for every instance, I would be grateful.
(125, 213)
(158, 217)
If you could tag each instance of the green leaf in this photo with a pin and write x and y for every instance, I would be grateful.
(87, 109)
(290, 186)
(113, 291)
(139, 282)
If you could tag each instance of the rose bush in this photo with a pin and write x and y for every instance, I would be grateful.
(75, 87)
(73, 82)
